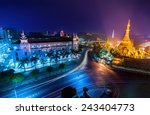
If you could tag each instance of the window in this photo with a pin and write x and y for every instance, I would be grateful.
(16, 53)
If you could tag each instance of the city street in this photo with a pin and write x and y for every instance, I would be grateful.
(97, 77)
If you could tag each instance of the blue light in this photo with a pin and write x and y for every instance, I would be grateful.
(15, 47)
(32, 46)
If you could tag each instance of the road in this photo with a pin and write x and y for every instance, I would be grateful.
(97, 77)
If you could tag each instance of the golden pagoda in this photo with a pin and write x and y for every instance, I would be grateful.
(107, 44)
(126, 47)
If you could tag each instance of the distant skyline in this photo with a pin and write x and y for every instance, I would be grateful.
(100, 16)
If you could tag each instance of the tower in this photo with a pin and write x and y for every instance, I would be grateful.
(62, 34)
(113, 34)
(126, 40)
(23, 38)
(24, 45)
(75, 42)
(126, 47)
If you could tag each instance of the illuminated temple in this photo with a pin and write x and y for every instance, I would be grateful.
(126, 47)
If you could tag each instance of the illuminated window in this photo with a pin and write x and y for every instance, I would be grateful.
(15, 47)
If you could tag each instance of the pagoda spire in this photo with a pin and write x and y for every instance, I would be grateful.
(127, 34)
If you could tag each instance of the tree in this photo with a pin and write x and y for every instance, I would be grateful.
(43, 61)
(6, 75)
(56, 56)
(34, 60)
(34, 72)
(49, 56)
(22, 64)
(8, 72)
(61, 66)
(49, 69)
(97, 47)
(80, 47)
(115, 53)
(16, 78)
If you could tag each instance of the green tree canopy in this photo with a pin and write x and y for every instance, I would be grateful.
(61, 66)
(19, 77)
(34, 72)
(7, 73)
(49, 69)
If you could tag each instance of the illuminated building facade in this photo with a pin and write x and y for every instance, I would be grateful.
(6, 58)
(126, 47)
(32, 45)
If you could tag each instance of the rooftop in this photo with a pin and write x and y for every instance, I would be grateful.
(44, 39)
(48, 39)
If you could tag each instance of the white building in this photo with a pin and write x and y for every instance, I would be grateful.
(29, 46)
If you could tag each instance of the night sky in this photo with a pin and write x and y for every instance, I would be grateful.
(76, 15)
